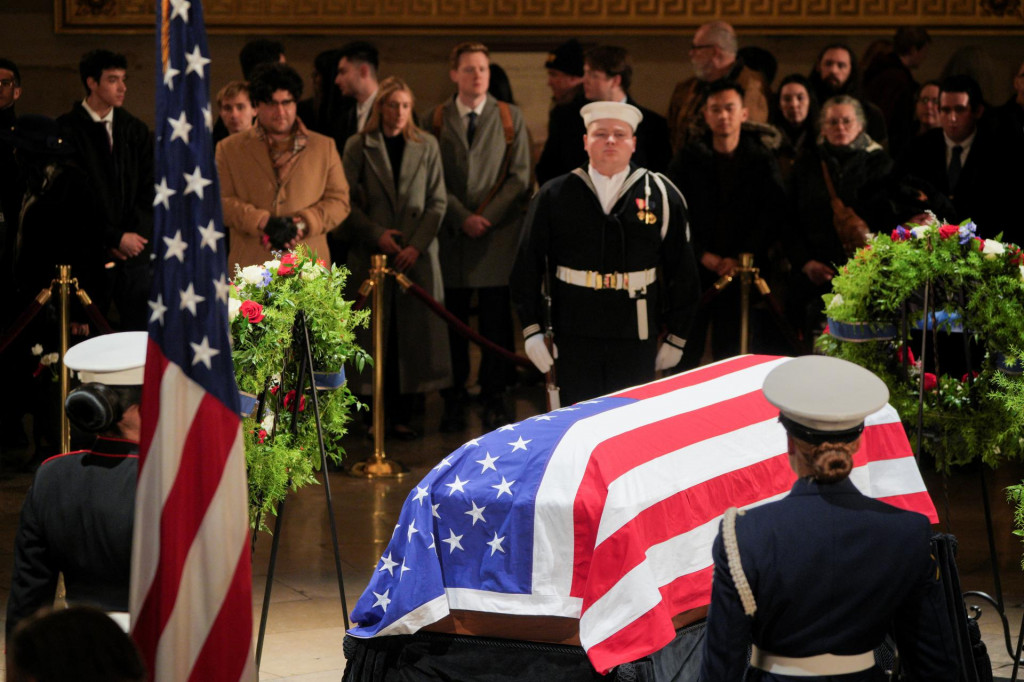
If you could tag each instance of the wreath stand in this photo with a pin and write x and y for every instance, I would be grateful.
(930, 324)
(305, 370)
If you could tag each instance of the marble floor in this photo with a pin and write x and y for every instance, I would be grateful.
(305, 624)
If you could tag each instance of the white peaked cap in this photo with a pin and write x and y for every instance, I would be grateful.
(823, 393)
(112, 359)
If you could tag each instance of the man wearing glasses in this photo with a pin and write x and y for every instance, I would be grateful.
(713, 56)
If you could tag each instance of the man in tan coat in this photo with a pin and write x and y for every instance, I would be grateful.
(280, 184)
(713, 56)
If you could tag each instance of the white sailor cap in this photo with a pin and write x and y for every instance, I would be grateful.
(112, 359)
(620, 111)
(824, 399)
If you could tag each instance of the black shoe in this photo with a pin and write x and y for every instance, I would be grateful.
(496, 414)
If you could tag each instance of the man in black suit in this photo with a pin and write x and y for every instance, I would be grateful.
(561, 151)
(607, 75)
(967, 162)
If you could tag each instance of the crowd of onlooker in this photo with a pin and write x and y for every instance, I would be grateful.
(797, 174)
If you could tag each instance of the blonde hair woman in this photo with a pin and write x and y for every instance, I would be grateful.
(398, 199)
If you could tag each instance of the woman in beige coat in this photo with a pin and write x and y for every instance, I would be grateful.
(398, 200)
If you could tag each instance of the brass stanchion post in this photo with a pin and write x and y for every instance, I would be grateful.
(745, 269)
(64, 282)
(378, 466)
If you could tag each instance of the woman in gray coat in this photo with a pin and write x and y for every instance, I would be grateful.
(398, 199)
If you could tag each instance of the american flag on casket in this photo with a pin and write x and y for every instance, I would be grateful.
(606, 511)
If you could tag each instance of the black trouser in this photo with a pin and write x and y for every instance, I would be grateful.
(132, 282)
(587, 368)
(494, 314)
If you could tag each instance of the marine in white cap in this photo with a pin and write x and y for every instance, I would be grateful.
(811, 584)
(599, 237)
(77, 517)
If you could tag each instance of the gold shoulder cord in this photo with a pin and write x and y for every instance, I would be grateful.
(732, 555)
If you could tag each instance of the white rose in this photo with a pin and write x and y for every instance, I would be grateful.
(252, 274)
(836, 301)
(919, 231)
(233, 305)
(1021, 271)
(268, 423)
(309, 273)
(37, 349)
(49, 359)
(992, 247)
(272, 265)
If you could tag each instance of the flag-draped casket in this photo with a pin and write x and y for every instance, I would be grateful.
(604, 512)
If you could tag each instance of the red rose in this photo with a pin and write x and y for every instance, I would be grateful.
(261, 435)
(980, 243)
(252, 310)
(963, 379)
(931, 382)
(947, 231)
(289, 398)
(910, 356)
(287, 266)
(274, 389)
(1016, 256)
(321, 262)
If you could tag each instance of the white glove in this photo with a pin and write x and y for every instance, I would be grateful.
(668, 356)
(538, 353)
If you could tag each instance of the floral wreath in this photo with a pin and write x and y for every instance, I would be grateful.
(975, 287)
(282, 449)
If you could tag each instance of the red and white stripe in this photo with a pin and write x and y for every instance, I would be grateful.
(649, 482)
(191, 574)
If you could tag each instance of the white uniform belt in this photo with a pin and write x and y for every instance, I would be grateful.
(811, 666)
(621, 281)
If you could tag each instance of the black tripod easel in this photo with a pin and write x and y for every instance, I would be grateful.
(931, 324)
(304, 371)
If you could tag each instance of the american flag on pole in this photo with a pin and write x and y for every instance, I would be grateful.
(191, 584)
(605, 511)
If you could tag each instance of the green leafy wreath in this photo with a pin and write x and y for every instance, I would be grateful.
(264, 303)
(973, 284)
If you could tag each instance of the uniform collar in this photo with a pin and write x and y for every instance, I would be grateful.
(105, 445)
(808, 486)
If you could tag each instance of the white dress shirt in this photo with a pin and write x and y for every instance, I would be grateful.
(608, 187)
(107, 121)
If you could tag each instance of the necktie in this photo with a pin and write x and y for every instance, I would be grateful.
(953, 173)
(471, 127)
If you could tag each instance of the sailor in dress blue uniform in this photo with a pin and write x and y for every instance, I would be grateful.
(817, 579)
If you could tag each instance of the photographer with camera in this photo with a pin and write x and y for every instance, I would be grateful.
(281, 184)
(77, 516)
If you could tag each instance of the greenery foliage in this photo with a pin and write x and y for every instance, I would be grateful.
(976, 281)
(282, 450)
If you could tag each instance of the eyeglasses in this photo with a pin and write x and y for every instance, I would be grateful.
(694, 47)
(6, 82)
(836, 122)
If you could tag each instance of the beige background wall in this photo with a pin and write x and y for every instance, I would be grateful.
(48, 61)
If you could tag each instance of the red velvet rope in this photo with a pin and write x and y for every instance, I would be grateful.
(461, 327)
(19, 324)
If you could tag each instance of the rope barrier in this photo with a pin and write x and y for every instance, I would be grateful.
(26, 316)
(41, 299)
(95, 316)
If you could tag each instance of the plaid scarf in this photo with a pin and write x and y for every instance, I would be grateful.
(284, 153)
